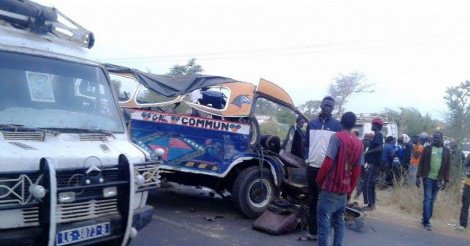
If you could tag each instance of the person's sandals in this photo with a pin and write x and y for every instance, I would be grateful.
(308, 237)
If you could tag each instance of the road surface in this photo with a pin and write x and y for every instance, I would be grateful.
(192, 217)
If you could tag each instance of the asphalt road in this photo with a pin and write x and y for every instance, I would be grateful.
(191, 217)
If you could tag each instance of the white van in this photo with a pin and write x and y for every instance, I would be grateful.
(69, 174)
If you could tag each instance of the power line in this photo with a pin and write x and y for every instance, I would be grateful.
(289, 50)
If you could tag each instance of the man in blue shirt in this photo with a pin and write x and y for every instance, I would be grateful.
(374, 159)
(389, 158)
(319, 131)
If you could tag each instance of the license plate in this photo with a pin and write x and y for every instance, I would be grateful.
(83, 233)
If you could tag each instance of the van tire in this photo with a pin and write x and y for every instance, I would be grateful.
(247, 194)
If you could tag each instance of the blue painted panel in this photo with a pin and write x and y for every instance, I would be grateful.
(191, 147)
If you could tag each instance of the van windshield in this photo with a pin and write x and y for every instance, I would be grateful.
(50, 93)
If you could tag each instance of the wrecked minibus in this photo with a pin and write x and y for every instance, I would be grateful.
(70, 174)
(217, 132)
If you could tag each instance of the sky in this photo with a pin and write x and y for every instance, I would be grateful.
(411, 50)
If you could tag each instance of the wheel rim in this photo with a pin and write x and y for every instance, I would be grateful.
(259, 193)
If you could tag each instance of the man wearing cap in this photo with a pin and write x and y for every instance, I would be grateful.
(319, 131)
(374, 159)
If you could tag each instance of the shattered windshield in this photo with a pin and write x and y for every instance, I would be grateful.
(49, 93)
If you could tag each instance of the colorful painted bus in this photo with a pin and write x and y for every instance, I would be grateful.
(217, 132)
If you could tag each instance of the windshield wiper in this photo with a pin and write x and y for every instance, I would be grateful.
(79, 130)
(22, 128)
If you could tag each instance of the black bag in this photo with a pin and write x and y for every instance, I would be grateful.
(278, 220)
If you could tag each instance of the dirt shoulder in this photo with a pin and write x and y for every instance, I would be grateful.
(411, 222)
(404, 208)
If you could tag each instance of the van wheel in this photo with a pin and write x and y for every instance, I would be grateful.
(251, 194)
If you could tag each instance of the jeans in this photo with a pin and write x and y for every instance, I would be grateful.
(431, 188)
(412, 170)
(371, 180)
(360, 185)
(465, 205)
(313, 191)
(330, 212)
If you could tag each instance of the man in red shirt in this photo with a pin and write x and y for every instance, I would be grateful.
(337, 178)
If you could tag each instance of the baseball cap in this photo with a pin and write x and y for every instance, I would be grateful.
(378, 121)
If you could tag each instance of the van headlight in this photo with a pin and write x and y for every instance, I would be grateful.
(37, 191)
(109, 191)
(66, 197)
(139, 180)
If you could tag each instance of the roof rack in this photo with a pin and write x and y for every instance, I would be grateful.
(36, 18)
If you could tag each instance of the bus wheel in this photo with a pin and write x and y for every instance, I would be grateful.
(252, 193)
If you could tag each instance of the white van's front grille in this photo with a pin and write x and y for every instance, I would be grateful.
(93, 137)
(86, 210)
(27, 136)
(31, 216)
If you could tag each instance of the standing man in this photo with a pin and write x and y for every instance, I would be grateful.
(360, 184)
(319, 131)
(407, 149)
(415, 157)
(388, 157)
(465, 197)
(337, 178)
(433, 168)
(374, 159)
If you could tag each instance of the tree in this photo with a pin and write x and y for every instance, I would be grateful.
(411, 121)
(345, 86)
(310, 108)
(190, 68)
(266, 107)
(458, 116)
(285, 116)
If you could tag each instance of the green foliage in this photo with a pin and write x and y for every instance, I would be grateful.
(458, 116)
(310, 108)
(266, 107)
(270, 128)
(285, 116)
(411, 121)
(277, 118)
(190, 68)
(345, 86)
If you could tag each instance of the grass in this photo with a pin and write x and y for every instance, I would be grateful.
(407, 200)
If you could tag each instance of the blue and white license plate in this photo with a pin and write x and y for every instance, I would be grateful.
(83, 233)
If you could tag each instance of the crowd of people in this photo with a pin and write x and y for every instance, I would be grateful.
(339, 162)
